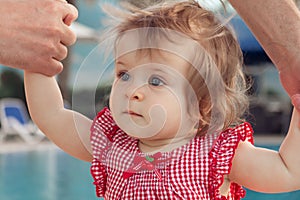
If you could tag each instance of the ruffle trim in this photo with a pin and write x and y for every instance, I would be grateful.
(105, 124)
(100, 177)
(221, 157)
(103, 130)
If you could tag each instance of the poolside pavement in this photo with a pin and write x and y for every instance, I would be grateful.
(20, 146)
(16, 145)
(268, 139)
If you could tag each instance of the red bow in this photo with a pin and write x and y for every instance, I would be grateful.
(145, 162)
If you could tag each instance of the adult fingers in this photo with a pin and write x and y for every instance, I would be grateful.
(61, 52)
(68, 36)
(54, 68)
(67, 11)
(70, 14)
(50, 67)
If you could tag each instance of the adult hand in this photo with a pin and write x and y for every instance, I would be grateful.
(34, 34)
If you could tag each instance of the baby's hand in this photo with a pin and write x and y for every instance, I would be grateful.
(296, 103)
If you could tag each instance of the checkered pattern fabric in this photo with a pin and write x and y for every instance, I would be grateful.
(193, 171)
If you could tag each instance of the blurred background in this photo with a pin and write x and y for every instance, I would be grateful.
(79, 80)
(32, 170)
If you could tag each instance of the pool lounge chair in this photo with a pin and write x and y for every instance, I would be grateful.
(15, 121)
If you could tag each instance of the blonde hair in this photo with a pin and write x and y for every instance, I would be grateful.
(190, 19)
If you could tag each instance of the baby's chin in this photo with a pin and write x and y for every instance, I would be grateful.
(140, 128)
(143, 136)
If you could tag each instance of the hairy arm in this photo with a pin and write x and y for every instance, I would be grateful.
(66, 128)
(265, 170)
(276, 25)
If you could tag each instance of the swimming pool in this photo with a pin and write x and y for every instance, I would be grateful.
(44, 175)
(53, 175)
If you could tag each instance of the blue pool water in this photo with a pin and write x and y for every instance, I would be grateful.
(53, 175)
(44, 175)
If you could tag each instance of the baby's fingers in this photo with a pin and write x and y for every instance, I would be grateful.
(296, 101)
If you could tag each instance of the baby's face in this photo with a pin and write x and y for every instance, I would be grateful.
(148, 98)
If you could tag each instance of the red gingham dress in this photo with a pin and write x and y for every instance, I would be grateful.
(193, 171)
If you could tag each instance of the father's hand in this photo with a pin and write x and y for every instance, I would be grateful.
(34, 34)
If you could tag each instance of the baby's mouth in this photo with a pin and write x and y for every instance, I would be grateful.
(131, 113)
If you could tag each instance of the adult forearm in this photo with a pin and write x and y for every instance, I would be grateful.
(276, 25)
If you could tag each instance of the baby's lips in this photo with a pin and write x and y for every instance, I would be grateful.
(296, 101)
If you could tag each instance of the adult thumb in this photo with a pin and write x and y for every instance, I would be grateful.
(71, 16)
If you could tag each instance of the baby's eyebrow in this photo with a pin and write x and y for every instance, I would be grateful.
(161, 71)
(118, 62)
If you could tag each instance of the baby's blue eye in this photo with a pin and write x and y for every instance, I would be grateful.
(155, 81)
(124, 76)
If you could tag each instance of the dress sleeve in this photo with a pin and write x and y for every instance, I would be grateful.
(103, 130)
(221, 156)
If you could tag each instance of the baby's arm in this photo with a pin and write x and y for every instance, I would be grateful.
(270, 171)
(66, 128)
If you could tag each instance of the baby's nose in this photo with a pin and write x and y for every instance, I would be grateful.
(138, 96)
